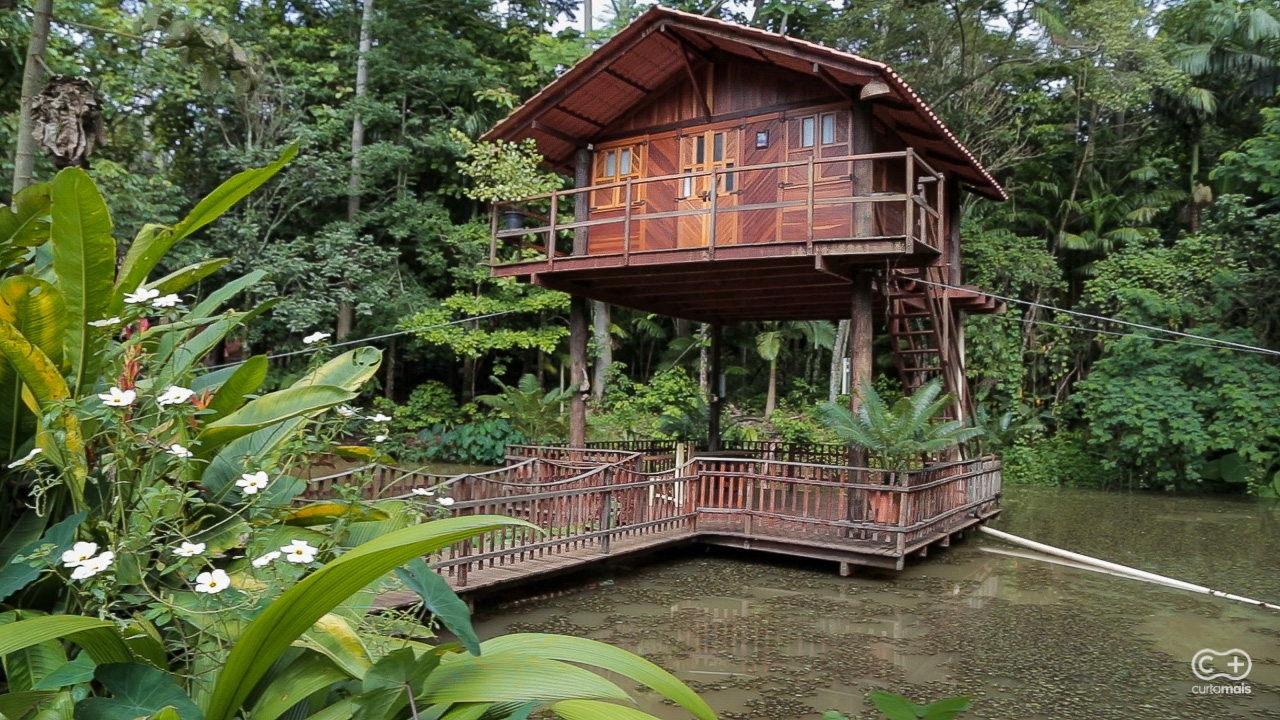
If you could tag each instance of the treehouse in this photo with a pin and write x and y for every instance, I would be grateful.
(725, 174)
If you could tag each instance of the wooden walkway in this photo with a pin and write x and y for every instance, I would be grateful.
(600, 504)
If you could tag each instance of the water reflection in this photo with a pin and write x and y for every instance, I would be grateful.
(781, 639)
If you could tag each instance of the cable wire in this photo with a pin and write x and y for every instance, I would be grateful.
(374, 338)
(1103, 318)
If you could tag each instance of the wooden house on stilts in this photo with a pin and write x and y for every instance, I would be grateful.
(725, 174)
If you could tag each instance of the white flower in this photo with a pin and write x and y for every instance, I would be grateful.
(380, 418)
(267, 559)
(251, 483)
(78, 553)
(105, 323)
(141, 295)
(426, 492)
(379, 438)
(168, 301)
(26, 459)
(93, 566)
(174, 396)
(179, 451)
(445, 501)
(314, 338)
(115, 397)
(298, 551)
(346, 411)
(212, 582)
(187, 549)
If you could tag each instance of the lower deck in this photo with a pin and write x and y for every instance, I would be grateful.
(596, 505)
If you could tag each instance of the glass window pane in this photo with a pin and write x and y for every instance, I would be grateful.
(806, 132)
(687, 186)
(624, 163)
(717, 152)
(700, 152)
(828, 129)
(610, 165)
(730, 179)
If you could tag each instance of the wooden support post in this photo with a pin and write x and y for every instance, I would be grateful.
(582, 200)
(606, 511)
(578, 371)
(863, 143)
(846, 569)
(713, 404)
(951, 211)
(860, 349)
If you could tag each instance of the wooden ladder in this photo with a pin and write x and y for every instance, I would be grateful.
(921, 323)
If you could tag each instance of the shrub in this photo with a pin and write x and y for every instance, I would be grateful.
(483, 442)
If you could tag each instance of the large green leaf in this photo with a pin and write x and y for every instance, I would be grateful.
(60, 707)
(101, 639)
(440, 600)
(18, 704)
(348, 371)
(150, 247)
(216, 299)
(25, 223)
(15, 576)
(25, 668)
(295, 611)
(137, 691)
(46, 385)
(35, 308)
(72, 672)
(603, 656)
(178, 354)
(268, 410)
(304, 676)
(246, 378)
(333, 637)
(515, 678)
(84, 261)
(26, 530)
(185, 277)
(596, 710)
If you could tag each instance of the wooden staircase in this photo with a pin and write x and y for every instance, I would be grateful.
(923, 322)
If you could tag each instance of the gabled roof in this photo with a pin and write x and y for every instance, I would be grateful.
(641, 58)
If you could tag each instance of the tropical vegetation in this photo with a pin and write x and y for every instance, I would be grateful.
(1139, 143)
(158, 558)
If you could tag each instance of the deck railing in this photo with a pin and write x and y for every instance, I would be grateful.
(601, 499)
(816, 202)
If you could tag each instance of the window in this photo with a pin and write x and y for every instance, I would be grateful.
(717, 151)
(700, 149)
(730, 179)
(806, 132)
(614, 165)
(686, 186)
(828, 128)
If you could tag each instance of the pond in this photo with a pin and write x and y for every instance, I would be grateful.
(767, 637)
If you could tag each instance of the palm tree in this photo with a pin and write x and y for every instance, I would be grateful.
(820, 334)
(896, 436)
(532, 412)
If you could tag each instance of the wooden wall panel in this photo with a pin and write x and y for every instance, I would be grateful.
(663, 155)
(733, 87)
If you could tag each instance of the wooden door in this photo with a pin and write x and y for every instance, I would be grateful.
(692, 194)
(821, 135)
(700, 153)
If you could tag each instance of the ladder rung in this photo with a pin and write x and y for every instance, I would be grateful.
(908, 315)
(912, 332)
(917, 351)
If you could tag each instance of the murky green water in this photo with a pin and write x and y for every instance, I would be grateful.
(767, 637)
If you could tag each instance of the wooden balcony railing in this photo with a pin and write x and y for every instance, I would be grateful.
(799, 202)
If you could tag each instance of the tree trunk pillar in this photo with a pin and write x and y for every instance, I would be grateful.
(716, 399)
(578, 333)
(24, 156)
(863, 142)
(581, 201)
(860, 350)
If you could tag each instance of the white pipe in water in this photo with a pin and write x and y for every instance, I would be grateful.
(1122, 569)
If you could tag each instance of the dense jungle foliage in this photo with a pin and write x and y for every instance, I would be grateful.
(1139, 141)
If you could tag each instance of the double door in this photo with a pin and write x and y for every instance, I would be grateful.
(703, 152)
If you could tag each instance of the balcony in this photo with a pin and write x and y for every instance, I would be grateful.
(854, 208)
